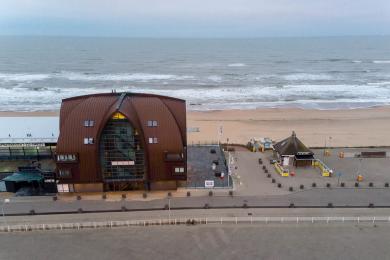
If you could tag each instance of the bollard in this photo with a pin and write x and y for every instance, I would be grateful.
(291, 189)
(371, 184)
(144, 195)
(386, 185)
(279, 185)
(78, 197)
(328, 185)
(266, 171)
(342, 184)
(273, 180)
(123, 208)
(55, 198)
(292, 205)
(80, 210)
(206, 206)
(356, 184)
(104, 196)
(188, 194)
(124, 196)
(330, 205)
(268, 175)
(244, 205)
(169, 194)
(32, 212)
(231, 193)
(210, 193)
(314, 185)
(371, 205)
(301, 186)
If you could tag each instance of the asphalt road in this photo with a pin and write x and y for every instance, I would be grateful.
(272, 241)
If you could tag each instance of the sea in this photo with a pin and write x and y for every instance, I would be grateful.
(36, 73)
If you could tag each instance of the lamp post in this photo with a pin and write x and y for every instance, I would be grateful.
(169, 209)
(2, 209)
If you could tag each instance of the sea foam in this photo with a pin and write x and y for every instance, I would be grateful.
(23, 77)
(306, 76)
(237, 65)
(381, 61)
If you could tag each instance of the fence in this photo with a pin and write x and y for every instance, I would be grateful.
(194, 221)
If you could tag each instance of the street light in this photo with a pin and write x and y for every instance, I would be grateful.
(169, 209)
(2, 209)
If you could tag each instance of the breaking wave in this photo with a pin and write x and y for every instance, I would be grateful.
(48, 98)
(237, 65)
(121, 77)
(306, 76)
(20, 77)
(381, 61)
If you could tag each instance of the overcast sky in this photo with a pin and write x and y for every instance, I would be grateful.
(195, 18)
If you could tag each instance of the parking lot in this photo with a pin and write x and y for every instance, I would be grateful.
(200, 167)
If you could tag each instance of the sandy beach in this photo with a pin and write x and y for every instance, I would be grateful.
(357, 127)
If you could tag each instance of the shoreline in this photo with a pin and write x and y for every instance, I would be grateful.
(347, 127)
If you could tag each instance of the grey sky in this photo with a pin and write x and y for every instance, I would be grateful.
(195, 18)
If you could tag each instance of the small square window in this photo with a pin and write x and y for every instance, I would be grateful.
(179, 169)
(64, 174)
(89, 123)
(88, 140)
(152, 123)
(153, 140)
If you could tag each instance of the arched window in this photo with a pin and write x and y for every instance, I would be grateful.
(121, 152)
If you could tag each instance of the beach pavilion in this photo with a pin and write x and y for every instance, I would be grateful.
(292, 152)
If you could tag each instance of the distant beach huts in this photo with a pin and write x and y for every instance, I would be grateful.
(260, 144)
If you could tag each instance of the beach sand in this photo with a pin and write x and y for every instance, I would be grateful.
(356, 127)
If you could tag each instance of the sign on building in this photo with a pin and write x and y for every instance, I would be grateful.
(209, 184)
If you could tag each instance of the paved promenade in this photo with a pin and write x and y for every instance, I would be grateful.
(309, 198)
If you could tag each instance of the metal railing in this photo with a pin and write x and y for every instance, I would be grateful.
(195, 221)
(28, 140)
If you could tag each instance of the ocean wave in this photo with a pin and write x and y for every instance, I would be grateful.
(381, 61)
(306, 76)
(382, 83)
(357, 61)
(76, 76)
(215, 78)
(23, 77)
(237, 65)
(24, 98)
(122, 77)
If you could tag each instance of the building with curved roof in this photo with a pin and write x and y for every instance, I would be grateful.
(121, 141)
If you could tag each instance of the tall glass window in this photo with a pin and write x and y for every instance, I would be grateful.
(121, 153)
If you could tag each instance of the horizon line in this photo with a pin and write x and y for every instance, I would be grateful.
(190, 37)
